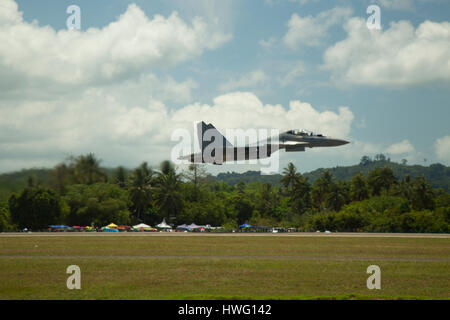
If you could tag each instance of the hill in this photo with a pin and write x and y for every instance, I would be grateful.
(16, 181)
(437, 174)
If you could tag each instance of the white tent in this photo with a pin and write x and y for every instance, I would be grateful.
(142, 226)
(164, 225)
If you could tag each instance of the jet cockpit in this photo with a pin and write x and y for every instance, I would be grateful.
(303, 133)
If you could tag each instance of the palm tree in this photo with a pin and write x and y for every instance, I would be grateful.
(301, 196)
(167, 194)
(290, 177)
(87, 170)
(358, 188)
(140, 186)
(321, 189)
(61, 176)
(195, 174)
(120, 177)
(381, 179)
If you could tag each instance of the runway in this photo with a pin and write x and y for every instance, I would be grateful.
(235, 234)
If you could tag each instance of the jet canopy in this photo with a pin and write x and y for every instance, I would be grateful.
(298, 132)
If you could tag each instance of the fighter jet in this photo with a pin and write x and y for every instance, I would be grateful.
(216, 149)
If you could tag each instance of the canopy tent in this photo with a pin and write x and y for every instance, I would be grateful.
(142, 226)
(163, 225)
(59, 227)
(184, 226)
(112, 226)
(194, 226)
(245, 225)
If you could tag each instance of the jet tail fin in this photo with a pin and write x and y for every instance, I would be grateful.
(202, 127)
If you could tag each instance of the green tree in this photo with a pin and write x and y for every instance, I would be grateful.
(5, 218)
(196, 175)
(266, 200)
(35, 208)
(381, 179)
(120, 177)
(422, 197)
(337, 196)
(87, 170)
(168, 197)
(290, 178)
(300, 200)
(365, 161)
(140, 188)
(98, 204)
(321, 189)
(61, 176)
(358, 188)
(243, 208)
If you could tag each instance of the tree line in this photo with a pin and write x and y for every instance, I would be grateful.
(81, 193)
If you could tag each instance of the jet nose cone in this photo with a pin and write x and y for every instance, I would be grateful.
(340, 142)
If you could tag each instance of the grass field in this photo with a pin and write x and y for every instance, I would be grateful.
(223, 267)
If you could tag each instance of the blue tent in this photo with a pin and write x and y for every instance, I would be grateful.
(245, 225)
(59, 227)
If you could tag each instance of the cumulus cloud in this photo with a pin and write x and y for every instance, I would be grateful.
(442, 148)
(124, 133)
(255, 78)
(70, 92)
(131, 45)
(296, 71)
(245, 110)
(402, 147)
(311, 31)
(401, 55)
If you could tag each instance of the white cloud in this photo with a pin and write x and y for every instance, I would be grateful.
(218, 14)
(398, 56)
(311, 31)
(70, 92)
(269, 43)
(442, 148)
(402, 147)
(253, 79)
(245, 110)
(121, 132)
(397, 4)
(129, 46)
(297, 70)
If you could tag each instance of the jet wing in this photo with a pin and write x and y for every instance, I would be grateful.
(293, 143)
(294, 146)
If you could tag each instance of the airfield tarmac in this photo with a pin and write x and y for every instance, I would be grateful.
(231, 234)
(169, 265)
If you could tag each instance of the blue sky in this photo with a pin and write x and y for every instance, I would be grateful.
(94, 90)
